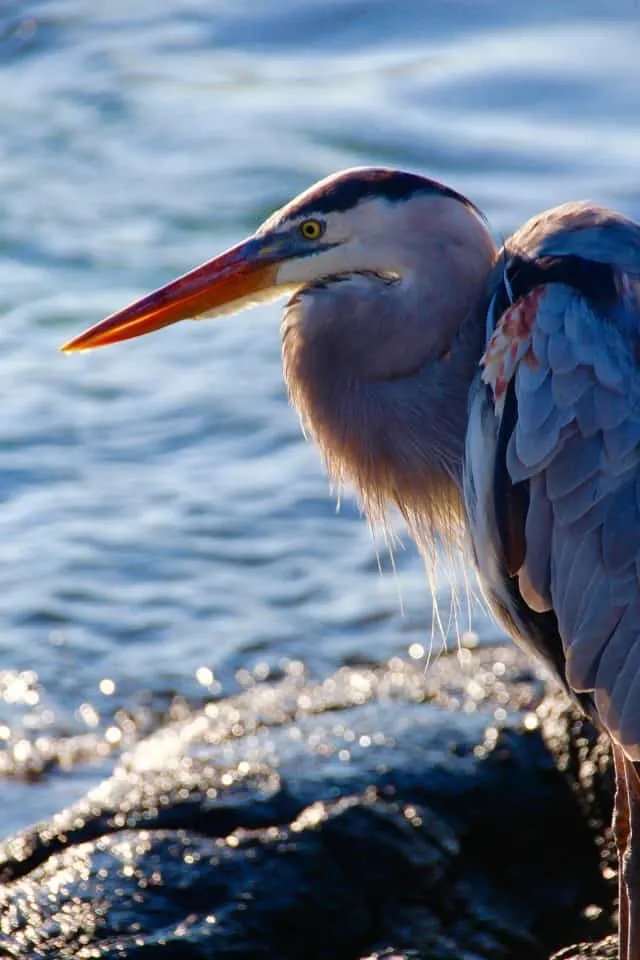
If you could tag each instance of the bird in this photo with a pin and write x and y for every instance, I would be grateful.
(491, 395)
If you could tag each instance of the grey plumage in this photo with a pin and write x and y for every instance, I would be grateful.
(578, 436)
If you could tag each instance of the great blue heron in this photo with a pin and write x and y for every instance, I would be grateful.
(463, 384)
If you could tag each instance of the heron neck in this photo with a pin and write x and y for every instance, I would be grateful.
(385, 418)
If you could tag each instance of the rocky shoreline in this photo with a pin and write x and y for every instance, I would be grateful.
(380, 812)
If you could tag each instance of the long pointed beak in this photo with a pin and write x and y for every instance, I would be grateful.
(234, 275)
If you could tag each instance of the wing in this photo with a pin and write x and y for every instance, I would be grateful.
(562, 371)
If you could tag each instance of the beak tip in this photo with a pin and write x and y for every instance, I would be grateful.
(73, 346)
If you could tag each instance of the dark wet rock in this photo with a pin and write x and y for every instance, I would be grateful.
(380, 813)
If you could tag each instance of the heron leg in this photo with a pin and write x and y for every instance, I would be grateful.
(632, 862)
(621, 829)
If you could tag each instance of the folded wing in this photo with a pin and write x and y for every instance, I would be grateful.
(562, 376)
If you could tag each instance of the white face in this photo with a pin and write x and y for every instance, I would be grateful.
(368, 237)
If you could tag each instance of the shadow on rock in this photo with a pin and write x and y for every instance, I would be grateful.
(380, 813)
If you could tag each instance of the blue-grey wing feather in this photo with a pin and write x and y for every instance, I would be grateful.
(580, 451)
(576, 444)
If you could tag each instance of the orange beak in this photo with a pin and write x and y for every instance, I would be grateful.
(236, 275)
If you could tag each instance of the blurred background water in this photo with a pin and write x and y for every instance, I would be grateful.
(165, 532)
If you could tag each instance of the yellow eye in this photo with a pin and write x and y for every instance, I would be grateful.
(311, 229)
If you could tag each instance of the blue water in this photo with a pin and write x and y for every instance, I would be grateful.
(165, 532)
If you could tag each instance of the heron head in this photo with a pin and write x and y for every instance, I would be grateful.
(383, 268)
(355, 220)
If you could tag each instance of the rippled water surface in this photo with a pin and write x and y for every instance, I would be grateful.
(163, 525)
